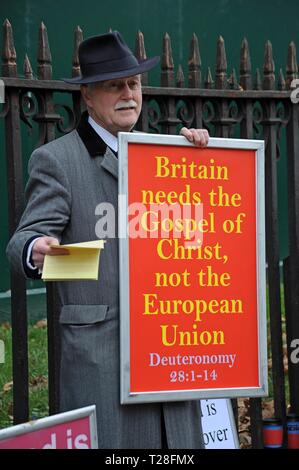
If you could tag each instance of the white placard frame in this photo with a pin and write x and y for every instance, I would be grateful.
(60, 418)
(126, 396)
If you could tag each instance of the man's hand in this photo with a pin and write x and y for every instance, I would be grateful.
(199, 137)
(42, 247)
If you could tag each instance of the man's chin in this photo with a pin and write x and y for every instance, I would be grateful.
(126, 127)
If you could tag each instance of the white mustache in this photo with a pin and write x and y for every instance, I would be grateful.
(125, 105)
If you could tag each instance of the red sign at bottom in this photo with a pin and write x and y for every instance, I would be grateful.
(74, 429)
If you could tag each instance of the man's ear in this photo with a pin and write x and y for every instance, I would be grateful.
(85, 92)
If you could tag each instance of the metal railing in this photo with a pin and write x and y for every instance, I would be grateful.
(248, 107)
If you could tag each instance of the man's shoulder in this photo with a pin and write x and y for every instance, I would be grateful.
(62, 152)
(64, 149)
(62, 142)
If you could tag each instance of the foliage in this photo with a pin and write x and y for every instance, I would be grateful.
(38, 382)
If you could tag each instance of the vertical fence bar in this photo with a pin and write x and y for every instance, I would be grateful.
(270, 122)
(221, 66)
(292, 292)
(76, 72)
(15, 207)
(194, 64)
(53, 348)
(291, 332)
(78, 38)
(169, 119)
(140, 53)
(245, 68)
(222, 122)
(281, 84)
(246, 131)
(28, 73)
(47, 120)
(258, 80)
(180, 79)
(292, 67)
(194, 79)
(44, 72)
(167, 67)
(209, 83)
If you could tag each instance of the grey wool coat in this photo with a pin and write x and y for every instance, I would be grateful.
(68, 178)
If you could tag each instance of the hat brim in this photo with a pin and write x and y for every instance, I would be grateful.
(143, 66)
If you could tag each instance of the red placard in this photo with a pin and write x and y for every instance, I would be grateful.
(75, 429)
(193, 297)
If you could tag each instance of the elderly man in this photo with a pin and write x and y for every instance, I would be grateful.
(68, 178)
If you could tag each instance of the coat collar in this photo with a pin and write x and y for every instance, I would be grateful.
(96, 146)
(92, 141)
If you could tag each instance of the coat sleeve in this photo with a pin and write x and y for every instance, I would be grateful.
(48, 207)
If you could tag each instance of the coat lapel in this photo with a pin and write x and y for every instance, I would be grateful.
(110, 162)
(96, 147)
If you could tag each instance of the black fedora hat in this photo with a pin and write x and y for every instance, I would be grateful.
(106, 57)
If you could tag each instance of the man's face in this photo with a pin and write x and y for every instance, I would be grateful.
(114, 104)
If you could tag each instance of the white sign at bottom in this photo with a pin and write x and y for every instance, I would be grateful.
(218, 424)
